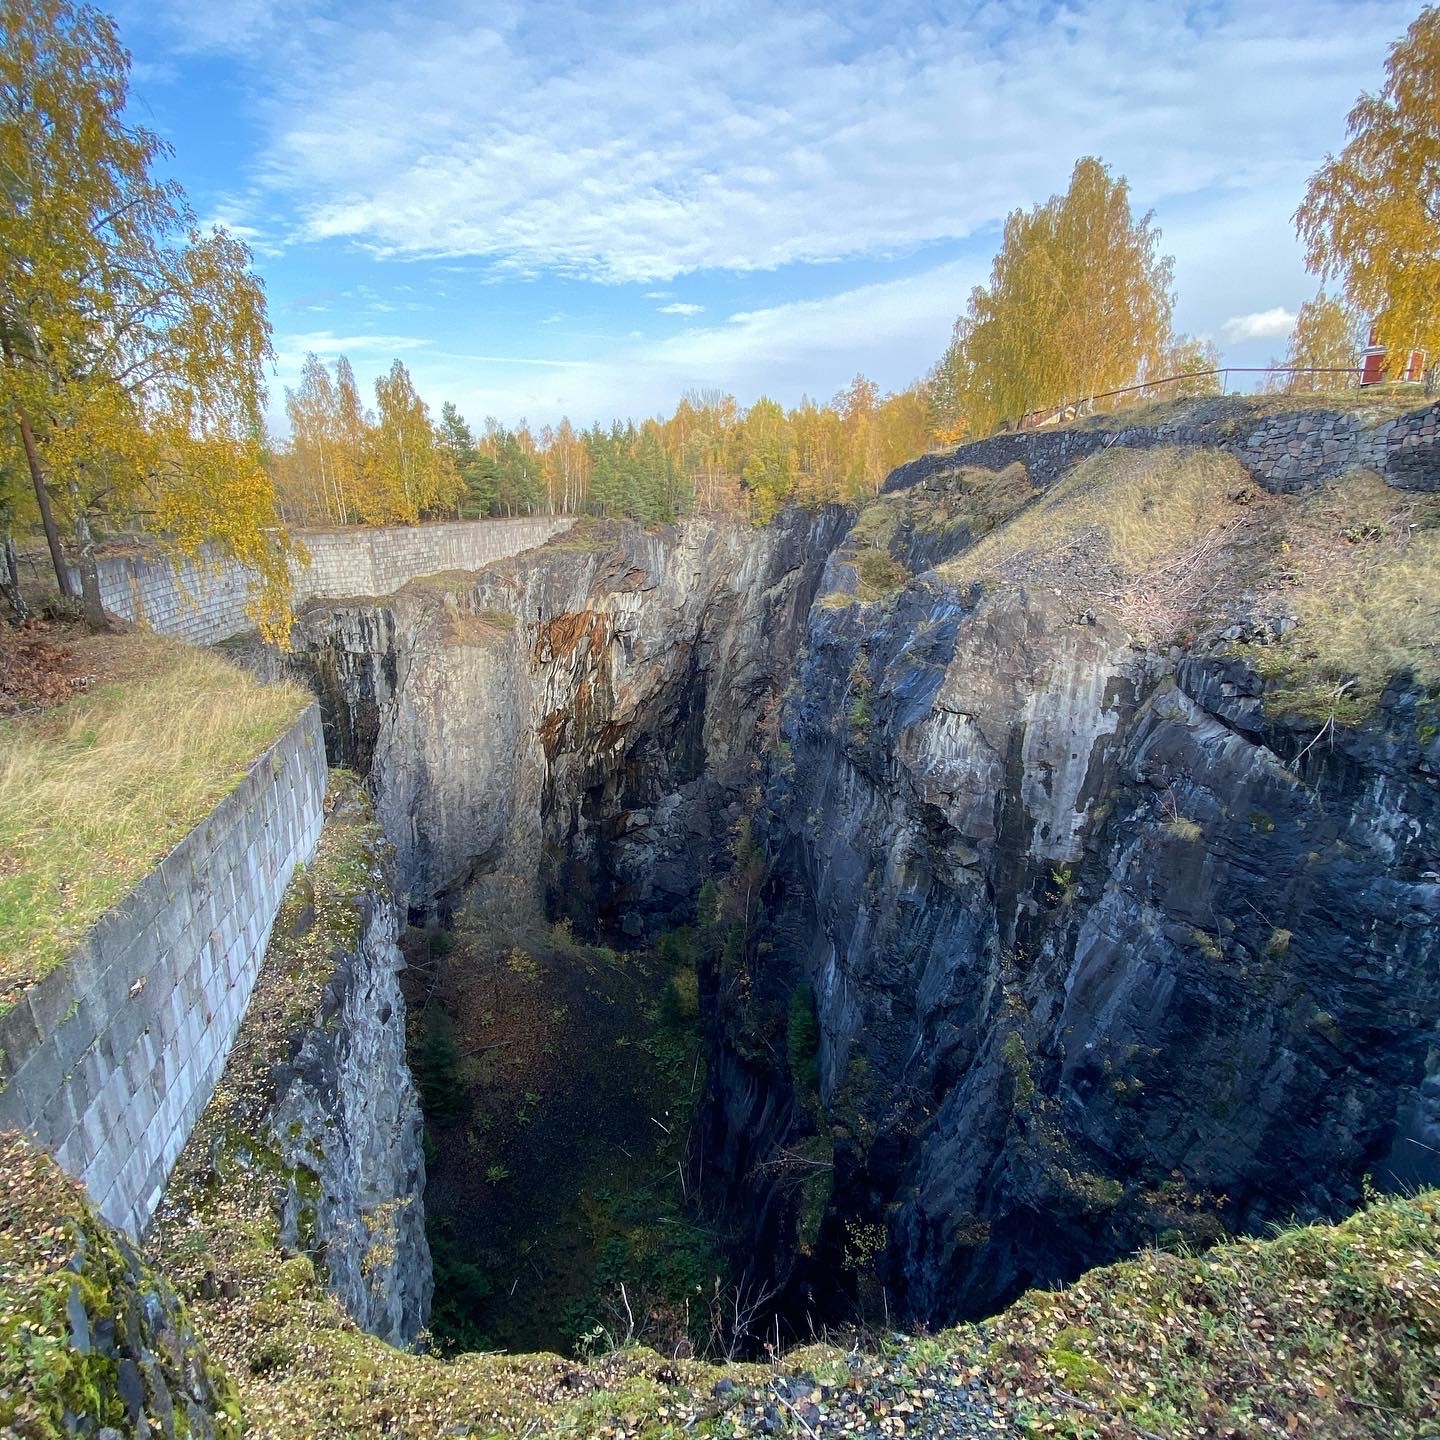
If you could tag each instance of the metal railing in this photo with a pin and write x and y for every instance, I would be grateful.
(1074, 409)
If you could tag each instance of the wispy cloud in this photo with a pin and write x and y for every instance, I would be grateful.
(756, 149)
(326, 342)
(639, 144)
(1274, 323)
(813, 346)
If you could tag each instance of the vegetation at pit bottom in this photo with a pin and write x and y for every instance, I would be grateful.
(552, 1068)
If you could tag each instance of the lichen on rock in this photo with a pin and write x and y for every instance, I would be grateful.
(92, 1335)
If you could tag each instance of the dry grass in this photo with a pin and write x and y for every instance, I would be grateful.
(1139, 507)
(1136, 530)
(95, 791)
(1324, 1332)
(479, 627)
(1374, 405)
(1359, 566)
(1176, 541)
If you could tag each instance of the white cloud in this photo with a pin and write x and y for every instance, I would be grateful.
(680, 308)
(1275, 323)
(237, 215)
(639, 145)
(372, 352)
(804, 347)
(233, 26)
(326, 342)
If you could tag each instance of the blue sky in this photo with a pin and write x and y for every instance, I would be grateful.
(549, 209)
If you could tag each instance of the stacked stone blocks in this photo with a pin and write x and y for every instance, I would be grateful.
(109, 1059)
(207, 600)
(1285, 453)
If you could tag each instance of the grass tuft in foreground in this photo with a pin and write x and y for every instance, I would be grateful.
(95, 791)
(1323, 1331)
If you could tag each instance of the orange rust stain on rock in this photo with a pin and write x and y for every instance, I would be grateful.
(561, 636)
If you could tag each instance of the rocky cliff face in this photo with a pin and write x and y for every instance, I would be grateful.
(1106, 941)
(1097, 953)
(580, 720)
(1097, 822)
(312, 1143)
(345, 1112)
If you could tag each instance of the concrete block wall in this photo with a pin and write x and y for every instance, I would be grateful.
(206, 600)
(379, 561)
(201, 601)
(110, 1058)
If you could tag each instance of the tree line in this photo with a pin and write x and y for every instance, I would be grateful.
(344, 463)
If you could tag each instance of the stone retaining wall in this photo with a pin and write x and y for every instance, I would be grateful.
(206, 600)
(110, 1058)
(1291, 452)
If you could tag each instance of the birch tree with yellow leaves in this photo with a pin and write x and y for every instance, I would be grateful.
(1079, 302)
(1371, 215)
(132, 344)
(408, 472)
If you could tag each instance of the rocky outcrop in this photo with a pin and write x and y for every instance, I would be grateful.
(1100, 950)
(579, 720)
(1290, 451)
(346, 1117)
(314, 1133)
(1101, 944)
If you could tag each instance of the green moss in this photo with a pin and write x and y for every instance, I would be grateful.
(1066, 1355)
(60, 1264)
(815, 1162)
(1017, 1062)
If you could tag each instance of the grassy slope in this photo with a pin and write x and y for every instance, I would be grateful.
(1325, 1332)
(95, 791)
(1177, 543)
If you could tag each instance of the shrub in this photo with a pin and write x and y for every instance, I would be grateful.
(802, 1043)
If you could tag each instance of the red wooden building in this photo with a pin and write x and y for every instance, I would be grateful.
(1372, 364)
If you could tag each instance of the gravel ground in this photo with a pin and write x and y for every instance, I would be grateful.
(903, 1394)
